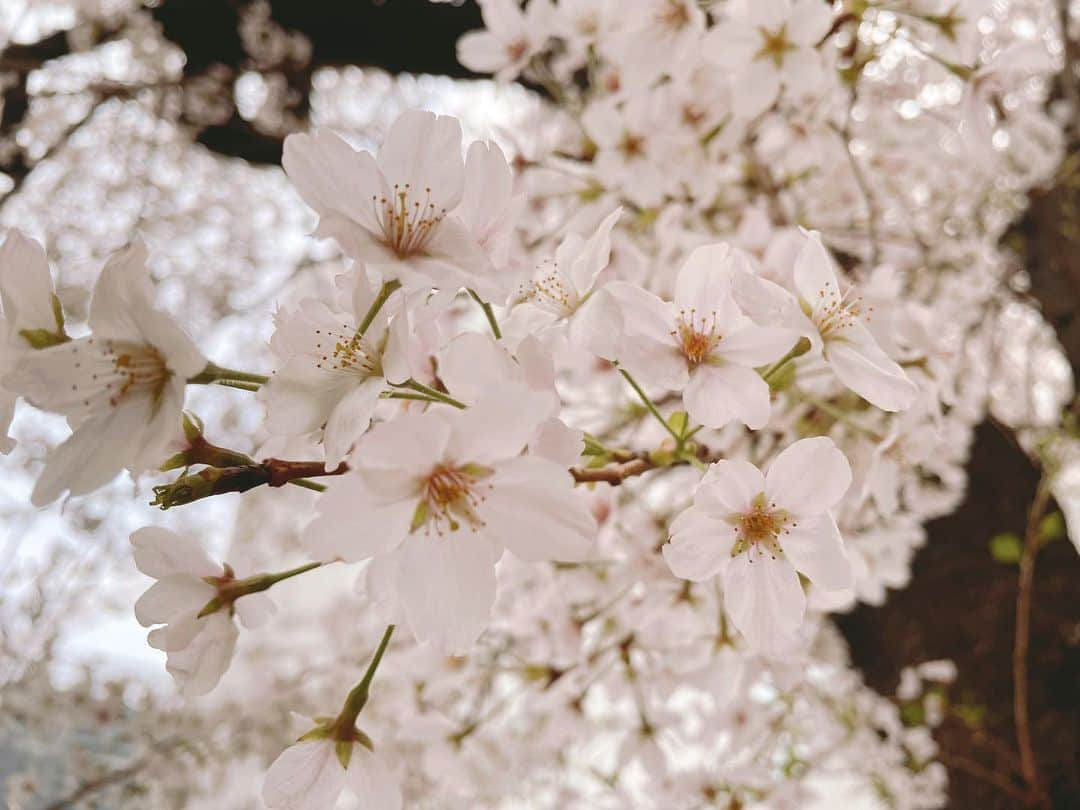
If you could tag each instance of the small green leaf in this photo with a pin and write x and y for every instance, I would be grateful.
(42, 338)
(1006, 548)
(343, 749)
(419, 517)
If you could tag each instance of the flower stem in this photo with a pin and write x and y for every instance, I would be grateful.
(354, 703)
(219, 374)
(314, 486)
(652, 408)
(488, 313)
(438, 396)
(385, 292)
(798, 350)
(229, 592)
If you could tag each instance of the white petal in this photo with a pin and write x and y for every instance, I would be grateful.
(815, 274)
(26, 284)
(423, 151)
(700, 546)
(198, 667)
(332, 177)
(756, 345)
(160, 552)
(254, 610)
(364, 513)
(172, 597)
(447, 587)
(556, 441)
(592, 257)
(371, 779)
(473, 364)
(809, 22)
(411, 443)
(704, 283)
(532, 509)
(498, 426)
(717, 394)
(809, 477)
(729, 488)
(122, 289)
(815, 548)
(305, 776)
(755, 89)
(764, 598)
(93, 455)
(349, 419)
(862, 366)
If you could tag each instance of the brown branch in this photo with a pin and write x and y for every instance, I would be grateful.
(273, 472)
(974, 769)
(613, 474)
(1020, 646)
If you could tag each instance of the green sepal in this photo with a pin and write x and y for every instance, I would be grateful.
(477, 470)
(343, 749)
(419, 517)
(58, 315)
(43, 338)
(678, 422)
(317, 733)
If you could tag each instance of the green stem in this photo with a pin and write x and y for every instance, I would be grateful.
(438, 396)
(229, 592)
(215, 373)
(307, 483)
(385, 292)
(798, 350)
(243, 386)
(652, 408)
(354, 703)
(488, 313)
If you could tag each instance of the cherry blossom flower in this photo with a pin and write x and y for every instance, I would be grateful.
(700, 344)
(442, 493)
(561, 286)
(121, 388)
(309, 775)
(768, 46)
(510, 37)
(757, 532)
(395, 212)
(329, 376)
(32, 318)
(833, 321)
(199, 647)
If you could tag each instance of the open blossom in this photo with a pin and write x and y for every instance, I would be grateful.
(768, 46)
(442, 493)
(757, 532)
(396, 212)
(834, 322)
(701, 344)
(560, 287)
(510, 38)
(31, 317)
(328, 375)
(121, 388)
(199, 649)
(309, 775)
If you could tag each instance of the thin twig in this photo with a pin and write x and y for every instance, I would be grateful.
(1028, 765)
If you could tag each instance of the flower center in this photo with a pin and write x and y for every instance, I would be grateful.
(697, 336)
(516, 49)
(451, 495)
(347, 351)
(833, 313)
(550, 291)
(774, 44)
(407, 223)
(674, 15)
(761, 528)
(137, 369)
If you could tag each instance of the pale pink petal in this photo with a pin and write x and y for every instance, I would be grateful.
(764, 598)
(729, 488)
(160, 552)
(809, 477)
(422, 150)
(756, 345)
(717, 394)
(815, 548)
(349, 419)
(305, 776)
(371, 779)
(700, 546)
(862, 366)
(334, 178)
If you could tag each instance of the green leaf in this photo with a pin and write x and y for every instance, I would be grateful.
(1006, 548)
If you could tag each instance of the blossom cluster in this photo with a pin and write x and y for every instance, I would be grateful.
(607, 428)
